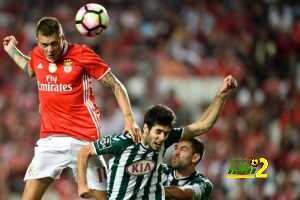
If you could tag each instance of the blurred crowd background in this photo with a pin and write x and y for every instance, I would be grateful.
(175, 52)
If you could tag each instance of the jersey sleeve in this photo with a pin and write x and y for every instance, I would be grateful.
(92, 63)
(112, 144)
(166, 171)
(201, 190)
(173, 137)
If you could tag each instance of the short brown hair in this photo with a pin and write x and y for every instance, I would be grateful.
(161, 115)
(48, 26)
(197, 146)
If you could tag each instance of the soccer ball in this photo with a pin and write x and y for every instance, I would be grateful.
(254, 162)
(91, 19)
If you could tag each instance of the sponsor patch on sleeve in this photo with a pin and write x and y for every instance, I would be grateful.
(103, 144)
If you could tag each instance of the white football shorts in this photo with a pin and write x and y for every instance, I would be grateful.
(55, 153)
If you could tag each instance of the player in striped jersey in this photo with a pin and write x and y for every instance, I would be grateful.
(135, 171)
(181, 180)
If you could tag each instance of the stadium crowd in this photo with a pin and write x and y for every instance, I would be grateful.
(152, 45)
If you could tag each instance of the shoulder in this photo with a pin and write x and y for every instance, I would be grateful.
(112, 144)
(82, 48)
(77, 52)
(201, 179)
(177, 130)
(174, 136)
(74, 48)
(123, 138)
(36, 51)
(123, 142)
(77, 48)
(166, 169)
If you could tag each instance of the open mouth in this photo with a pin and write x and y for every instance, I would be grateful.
(157, 144)
(51, 57)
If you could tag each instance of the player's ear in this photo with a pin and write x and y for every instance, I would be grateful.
(196, 158)
(146, 129)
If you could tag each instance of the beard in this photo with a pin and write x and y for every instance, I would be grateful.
(176, 164)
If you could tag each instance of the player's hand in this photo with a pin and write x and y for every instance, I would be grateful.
(9, 43)
(85, 192)
(135, 131)
(228, 86)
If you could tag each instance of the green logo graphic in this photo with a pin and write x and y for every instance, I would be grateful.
(242, 168)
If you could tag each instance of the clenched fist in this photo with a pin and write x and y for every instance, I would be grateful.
(9, 43)
(228, 86)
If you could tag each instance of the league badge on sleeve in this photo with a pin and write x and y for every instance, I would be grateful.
(105, 142)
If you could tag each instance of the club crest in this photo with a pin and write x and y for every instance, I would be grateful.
(67, 65)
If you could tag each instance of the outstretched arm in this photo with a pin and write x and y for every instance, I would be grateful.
(82, 161)
(174, 192)
(9, 44)
(121, 95)
(107, 145)
(210, 116)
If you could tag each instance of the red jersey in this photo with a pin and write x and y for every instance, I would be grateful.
(67, 103)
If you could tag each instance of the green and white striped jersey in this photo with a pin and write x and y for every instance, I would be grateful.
(199, 184)
(134, 171)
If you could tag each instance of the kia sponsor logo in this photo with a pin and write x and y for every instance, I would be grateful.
(140, 167)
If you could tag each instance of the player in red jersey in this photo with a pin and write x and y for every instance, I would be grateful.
(69, 116)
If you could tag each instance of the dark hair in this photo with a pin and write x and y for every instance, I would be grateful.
(159, 114)
(197, 146)
(48, 26)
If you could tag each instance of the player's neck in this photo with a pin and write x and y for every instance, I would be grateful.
(183, 173)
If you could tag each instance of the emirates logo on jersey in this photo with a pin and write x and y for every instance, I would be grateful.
(141, 167)
(51, 84)
(67, 65)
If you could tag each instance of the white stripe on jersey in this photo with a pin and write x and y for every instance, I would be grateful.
(154, 179)
(89, 104)
(129, 190)
(120, 170)
(103, 74)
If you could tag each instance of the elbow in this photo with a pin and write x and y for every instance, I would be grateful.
(203, 128)
(208, 126)
(120, 87)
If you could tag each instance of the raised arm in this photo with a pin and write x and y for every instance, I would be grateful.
(82, 161)
(121, 95)
(9, 45)
(210, 116)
